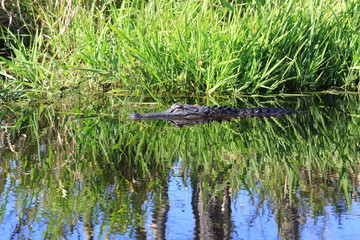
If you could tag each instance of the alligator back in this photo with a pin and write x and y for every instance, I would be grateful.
(265, 112)
(247, 112)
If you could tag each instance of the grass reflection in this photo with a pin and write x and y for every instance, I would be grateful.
(81, 165)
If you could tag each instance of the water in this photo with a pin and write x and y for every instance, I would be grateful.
(80, 170)
(253, 217)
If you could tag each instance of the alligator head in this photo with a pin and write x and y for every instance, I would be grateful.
(176, 111)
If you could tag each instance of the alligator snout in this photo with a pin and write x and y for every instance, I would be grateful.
(134, 115)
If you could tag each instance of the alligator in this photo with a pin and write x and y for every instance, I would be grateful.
(185, 114)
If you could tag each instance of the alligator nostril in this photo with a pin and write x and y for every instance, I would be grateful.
(134, 115)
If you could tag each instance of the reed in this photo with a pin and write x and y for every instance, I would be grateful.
(171, 47)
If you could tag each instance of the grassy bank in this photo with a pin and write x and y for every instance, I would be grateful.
(179, 47)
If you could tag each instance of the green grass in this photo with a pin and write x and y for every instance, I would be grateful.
(181, 47)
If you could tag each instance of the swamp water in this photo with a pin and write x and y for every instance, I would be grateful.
(80, 170)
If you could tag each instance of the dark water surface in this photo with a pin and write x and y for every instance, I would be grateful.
(78, 169)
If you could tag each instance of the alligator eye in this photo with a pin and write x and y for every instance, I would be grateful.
(175, 107)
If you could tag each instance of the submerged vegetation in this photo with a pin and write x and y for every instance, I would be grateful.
(179, 47)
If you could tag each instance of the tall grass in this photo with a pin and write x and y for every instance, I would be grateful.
(184, 47)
